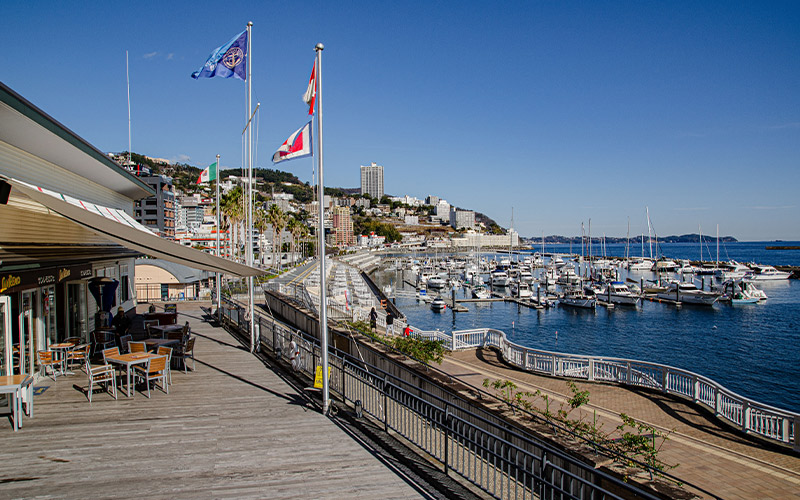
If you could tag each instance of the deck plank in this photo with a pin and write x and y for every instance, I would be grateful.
(232, 429)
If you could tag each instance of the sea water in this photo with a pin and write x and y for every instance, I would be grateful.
(753, 350)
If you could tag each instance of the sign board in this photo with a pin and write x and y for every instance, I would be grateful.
(318, 377)
(170, 307)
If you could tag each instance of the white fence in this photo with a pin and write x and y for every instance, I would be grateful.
(749, 415)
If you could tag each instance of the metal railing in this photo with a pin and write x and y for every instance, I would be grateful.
(750, 416)
(483, 449)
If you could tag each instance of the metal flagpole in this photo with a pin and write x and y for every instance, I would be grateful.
(249, 253)
(323, 303)
(219, 250)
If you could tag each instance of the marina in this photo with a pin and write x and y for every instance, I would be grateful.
(746, 346)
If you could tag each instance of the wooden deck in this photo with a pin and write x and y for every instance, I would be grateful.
(232, 429)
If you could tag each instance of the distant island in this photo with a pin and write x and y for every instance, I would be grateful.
(685, 238)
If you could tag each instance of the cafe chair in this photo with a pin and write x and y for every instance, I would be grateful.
(79, 354)
(73, 340)
(99, 376)
(167, 351)
(153, 371)
(111, 351)
(47, 360)
(186, 351)
(102, 340)
(123, 343)
(151, 334)
(137, 347)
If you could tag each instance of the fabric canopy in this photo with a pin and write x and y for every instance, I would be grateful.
(121, 228)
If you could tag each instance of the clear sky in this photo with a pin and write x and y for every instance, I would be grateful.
(565, 111)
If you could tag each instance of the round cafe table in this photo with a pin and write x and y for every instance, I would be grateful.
(62, 349)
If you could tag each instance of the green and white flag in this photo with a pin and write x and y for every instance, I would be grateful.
(209, 174)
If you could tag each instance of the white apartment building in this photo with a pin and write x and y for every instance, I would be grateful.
(372, 180)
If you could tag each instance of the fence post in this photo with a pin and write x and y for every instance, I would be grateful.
(553, 366)
(591, 369)
(446, 438)
(385, 408)
(696, 389)
(795, 429)
(746, 416)
(453, 341)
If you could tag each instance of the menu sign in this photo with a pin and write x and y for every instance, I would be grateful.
(22, 280)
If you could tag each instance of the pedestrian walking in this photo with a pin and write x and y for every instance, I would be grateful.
(373, 320)
(389, 322)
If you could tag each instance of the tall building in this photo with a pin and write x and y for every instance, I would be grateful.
(372, 180)
(157, 213)
(343, 227)
(462, 218)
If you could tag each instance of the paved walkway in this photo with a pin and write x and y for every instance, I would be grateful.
(712, 456)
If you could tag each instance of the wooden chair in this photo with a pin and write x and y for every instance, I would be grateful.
(46, 359)
(167, 351)
(137, 347)
(99, 376)
(79, 354)
(123, 343)
(185, 351)
(73, 340)
(154, 370)
(111, 351)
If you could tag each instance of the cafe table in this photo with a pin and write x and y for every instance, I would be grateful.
(156, 343)
(165, 329)
(62, 349)
(14, 386)
(128, 360)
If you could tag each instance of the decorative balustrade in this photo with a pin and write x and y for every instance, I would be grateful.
(749, 415)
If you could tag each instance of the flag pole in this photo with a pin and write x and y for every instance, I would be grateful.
(323, 304)
(219, 250)
(249, 253)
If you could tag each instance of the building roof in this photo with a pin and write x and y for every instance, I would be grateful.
(31, 129)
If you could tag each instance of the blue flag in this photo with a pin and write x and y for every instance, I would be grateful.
(227, 61)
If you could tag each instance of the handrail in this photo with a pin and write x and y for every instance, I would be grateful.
(750, 416)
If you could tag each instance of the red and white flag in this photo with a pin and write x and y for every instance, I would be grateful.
(298, 145)
(311, 92)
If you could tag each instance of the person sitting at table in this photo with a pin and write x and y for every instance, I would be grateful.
(121, 323)
(151, 309)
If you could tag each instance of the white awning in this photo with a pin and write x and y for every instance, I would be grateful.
(121, 228)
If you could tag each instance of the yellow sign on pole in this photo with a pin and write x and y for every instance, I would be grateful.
(318, 377)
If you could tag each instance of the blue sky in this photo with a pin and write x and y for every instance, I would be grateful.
(564, 111)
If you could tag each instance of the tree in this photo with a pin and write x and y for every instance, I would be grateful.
(277, 220)
(260, 223)
(232, 208)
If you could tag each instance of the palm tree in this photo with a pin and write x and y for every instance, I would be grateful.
(260, 223)
(296, 229)
(232, 207)
(277, 219)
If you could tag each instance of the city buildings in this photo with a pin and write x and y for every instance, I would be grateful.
(372, 180)
(157, 213)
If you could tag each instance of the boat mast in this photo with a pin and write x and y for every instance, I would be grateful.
(649, 232)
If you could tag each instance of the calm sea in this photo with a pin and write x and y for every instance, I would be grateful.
(753, 350)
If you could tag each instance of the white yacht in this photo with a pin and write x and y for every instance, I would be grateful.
(766, 273)
(438, 304)
(732, 271)
(575, 297)
(664, 266)
(688, 293)
(568, 276)
(436, 281)
(481, 292)
(641, 264)
(500, 278)
(521, 290)
(618, 292)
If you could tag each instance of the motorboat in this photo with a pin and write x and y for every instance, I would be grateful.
(767, 273)
(436, 281)
(732, 271)
(688, 293)
(568, 276)
(521, 290)
(618, 292)
(742, 289)
(438, 304)
(664, 266)
(525, 276)
(500, 278)
(640, 265)
(575, 297)
(481, 292)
